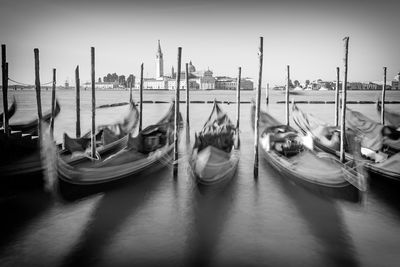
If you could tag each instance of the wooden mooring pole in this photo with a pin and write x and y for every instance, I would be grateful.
(337, 96)
(5, 88)
(78, 103)
(257, 114)
(287, 95)
(37, 87)
(93, 103)
(267, 94)
(141, 98)
(187, 105)
(344, 99)
(53, 103)
(383, 96)
(130, 91)
(238, 106)
(176, 132)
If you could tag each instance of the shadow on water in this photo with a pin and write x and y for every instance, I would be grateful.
(112, 210)
(211, 206)
(386, 191)
(18, 211)
(324, 221)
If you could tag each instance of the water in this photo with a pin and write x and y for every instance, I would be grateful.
(156, 220)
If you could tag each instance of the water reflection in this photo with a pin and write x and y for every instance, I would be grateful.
(111, 212)
(211, 206)
(18, 211)
(324, 221)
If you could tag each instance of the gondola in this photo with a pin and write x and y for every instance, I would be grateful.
(11, 111)
(356, 124)
(290, 153)
(22, 155)
(215, 154)
(391, 117)
(30, 127)
(109, 138)
(149, 150)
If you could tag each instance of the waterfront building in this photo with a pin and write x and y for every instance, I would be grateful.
(228, 83)
(101, 85)
(396, 82)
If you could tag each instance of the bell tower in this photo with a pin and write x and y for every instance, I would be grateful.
(159, 63)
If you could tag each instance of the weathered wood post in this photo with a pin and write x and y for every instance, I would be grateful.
(176, 132)
(37, 87)
(53, 103)
(344, 99)
(238, 106)
(130, 91)
(257, 114)
(287, 95)
(78, 103)
(383, 96)
(93, 103)
(187, 105)
(5, 88)
(141, 98)
(187, 95)
(267, 94)
(337, 96)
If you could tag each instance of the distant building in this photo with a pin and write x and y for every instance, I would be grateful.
(396, 82)
(101, 85)
(227, 83)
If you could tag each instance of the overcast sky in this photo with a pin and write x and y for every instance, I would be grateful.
(221, 35)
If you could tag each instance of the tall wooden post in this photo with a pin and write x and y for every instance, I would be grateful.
(130, 91)
(344, 99)
(238, 84)
(383, 96)
(53, 103)
(337, 96)
(256, 121)
(176, 132)
(267, 94)
(141, 98)
(78, 102)
(187, 95)
(287, 95)
(5, 88)
(37, 87)
(93, 103)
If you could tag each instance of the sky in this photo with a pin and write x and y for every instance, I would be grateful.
(220, 35)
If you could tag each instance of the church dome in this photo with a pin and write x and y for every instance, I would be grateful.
(191, 67)
(397, 77)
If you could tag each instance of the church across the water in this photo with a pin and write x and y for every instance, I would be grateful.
(198, 80)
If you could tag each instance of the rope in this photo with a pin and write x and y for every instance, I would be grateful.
(25, 84)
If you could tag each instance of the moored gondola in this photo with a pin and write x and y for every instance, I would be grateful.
(215, 154)
(31, 126)
(149, 150)
(391, 117)
(291, 154)
(11, 111)
(384, 163)
(109, 138)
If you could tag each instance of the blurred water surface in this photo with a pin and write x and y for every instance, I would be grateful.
(156, 220)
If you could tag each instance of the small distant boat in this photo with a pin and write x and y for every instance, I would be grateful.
(356, 123)
(288, 152)
(31, 127)
(11, 111)
(215, 154)
(391, 117)
(149, 150)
